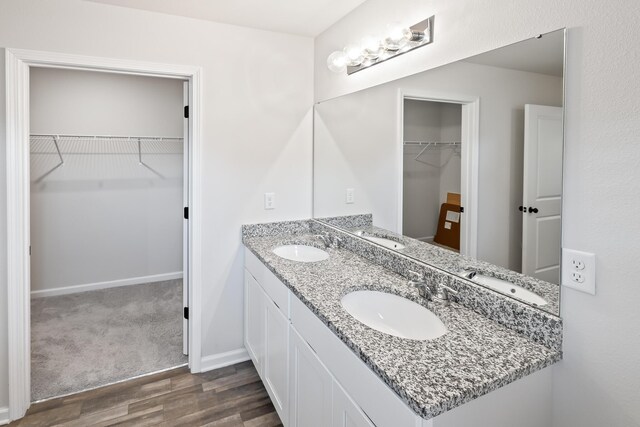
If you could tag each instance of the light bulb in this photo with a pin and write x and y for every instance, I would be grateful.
(354, 55)
(397, 37)
(372, 47)
(337, 61)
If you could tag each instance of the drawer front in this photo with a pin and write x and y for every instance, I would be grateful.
(380, 404)
(272, 286)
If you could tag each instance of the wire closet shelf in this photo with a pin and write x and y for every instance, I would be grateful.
(61, 146)
(429, 145)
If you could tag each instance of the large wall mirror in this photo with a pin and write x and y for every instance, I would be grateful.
(459, 166)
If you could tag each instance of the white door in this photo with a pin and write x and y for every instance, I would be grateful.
(276, 358)
(310, 386)
(542, 192)
(185, 226)
(345, 411)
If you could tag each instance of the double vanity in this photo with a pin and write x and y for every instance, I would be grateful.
(426, 290)
(345, 332)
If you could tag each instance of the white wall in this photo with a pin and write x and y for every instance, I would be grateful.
(356, 145)
(102, 217)
(93, 103)
(597, 382)
(258, 92)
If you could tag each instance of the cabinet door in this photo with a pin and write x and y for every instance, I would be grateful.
(276, 360)
(310, 386)
(254, 320)
(345, 412)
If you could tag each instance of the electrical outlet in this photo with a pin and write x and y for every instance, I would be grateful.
(577, 264)
(577, 277)
(269, 200)
(350, 196)
(579, 270)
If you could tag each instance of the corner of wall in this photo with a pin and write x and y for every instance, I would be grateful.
(4, 377)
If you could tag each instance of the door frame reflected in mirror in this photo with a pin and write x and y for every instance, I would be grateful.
(469, 160)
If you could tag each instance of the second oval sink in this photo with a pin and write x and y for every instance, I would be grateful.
(393, 315)
(301, 253)
(387, 243)
(507, 288)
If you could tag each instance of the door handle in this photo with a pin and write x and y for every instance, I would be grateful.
(533, 210)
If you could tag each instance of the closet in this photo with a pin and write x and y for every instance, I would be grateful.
(107, 161)
(431, 167)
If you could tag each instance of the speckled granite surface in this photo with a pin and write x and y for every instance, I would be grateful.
(349, 221)
(538, 325)
(455, 263)
(476, 356)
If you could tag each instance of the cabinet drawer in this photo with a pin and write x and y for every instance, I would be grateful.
(381, 404)
(272, 286)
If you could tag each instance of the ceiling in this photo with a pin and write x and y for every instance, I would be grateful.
(301, 17)
(543, 55)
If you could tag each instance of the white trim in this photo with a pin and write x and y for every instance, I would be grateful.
(4, 415)
(73, 289)
(221, 360)
(18, 266)
(17, 65)
(469, 159)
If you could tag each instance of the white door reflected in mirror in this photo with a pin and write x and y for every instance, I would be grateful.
(542, 192)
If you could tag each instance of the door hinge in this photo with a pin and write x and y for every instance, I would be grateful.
(29, 250)
(186, 213)
(186, 312)
(461, 209)
(186, 111)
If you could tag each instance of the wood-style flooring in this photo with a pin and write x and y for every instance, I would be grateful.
(231, 396)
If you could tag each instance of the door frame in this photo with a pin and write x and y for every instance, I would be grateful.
(18, 62)
(469, 159)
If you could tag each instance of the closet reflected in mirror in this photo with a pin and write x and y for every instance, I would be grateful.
(460, 167)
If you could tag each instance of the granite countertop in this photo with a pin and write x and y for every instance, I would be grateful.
(476, 356)
(453, 262)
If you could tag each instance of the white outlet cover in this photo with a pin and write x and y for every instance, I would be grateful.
(579, 270)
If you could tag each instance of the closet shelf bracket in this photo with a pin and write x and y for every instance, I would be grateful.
(141, 163)
(56, 138)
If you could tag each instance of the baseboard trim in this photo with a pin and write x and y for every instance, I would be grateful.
(4, 415)
(106, 285)
(221, 360)
(426, 239)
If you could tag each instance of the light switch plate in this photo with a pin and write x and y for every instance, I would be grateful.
(350, 196)
(579, 270)
(269, 200)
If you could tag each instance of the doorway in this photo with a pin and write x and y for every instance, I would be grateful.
(431, 178)
(438, 169)
(18, 65)
(106, 218)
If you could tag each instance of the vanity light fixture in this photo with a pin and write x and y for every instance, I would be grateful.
(374, 50)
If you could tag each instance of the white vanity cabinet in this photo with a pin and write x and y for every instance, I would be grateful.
(254, 312)
(310, 386)
(289, 345)
(266, 338)
(314, 379)
(346, 413)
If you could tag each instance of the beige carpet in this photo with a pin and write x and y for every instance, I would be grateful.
(85, 340)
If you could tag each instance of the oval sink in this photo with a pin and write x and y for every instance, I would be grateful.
(387, 243)
(507, 288)
(393, 315)
(301, 253)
